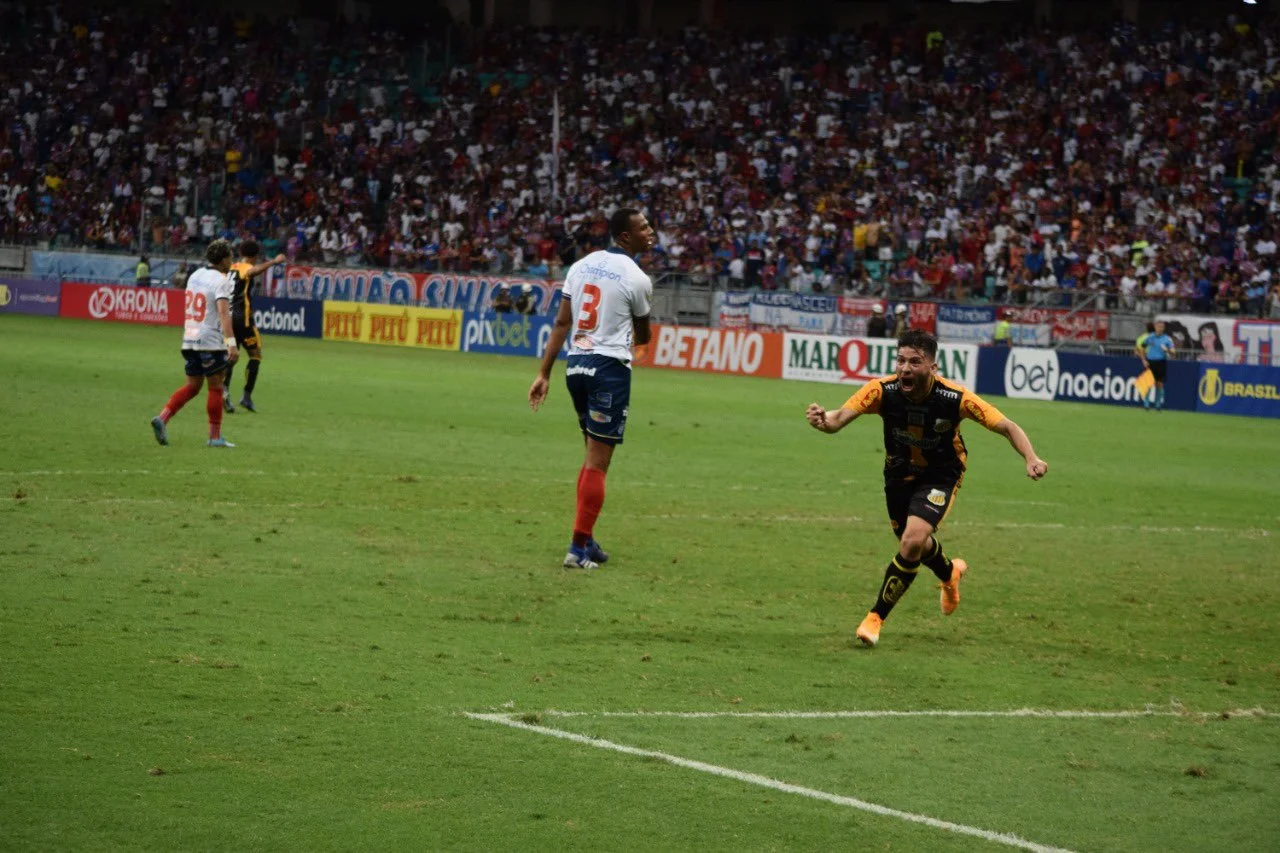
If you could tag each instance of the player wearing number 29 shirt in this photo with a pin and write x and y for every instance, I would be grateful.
(605, 310)
(208, 343)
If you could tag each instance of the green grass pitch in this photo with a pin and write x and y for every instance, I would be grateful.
(275, 647)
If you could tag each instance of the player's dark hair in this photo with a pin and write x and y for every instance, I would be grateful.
(620, 222)
(249, 249)
(218, 251)
(921, 340)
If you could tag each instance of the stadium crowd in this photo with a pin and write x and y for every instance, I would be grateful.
(1015, 165)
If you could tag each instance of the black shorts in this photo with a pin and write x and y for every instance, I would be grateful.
(930, 499)
(246, 333)
(202, 362)
(600, 387)
(1159, 369)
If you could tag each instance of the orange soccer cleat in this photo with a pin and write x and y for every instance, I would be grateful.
(869, 631)
(949, 599)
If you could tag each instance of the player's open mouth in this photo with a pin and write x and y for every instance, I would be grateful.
(906, 382)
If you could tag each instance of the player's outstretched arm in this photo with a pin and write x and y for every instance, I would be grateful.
(559, 331)
(824, 421)
(258, 270)
(1036, 467)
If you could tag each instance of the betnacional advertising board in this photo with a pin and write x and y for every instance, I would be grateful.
(1033, 373)
(392, 325)
(300, 318)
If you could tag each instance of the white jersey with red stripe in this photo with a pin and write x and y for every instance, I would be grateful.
(202, 325)
(606, 290)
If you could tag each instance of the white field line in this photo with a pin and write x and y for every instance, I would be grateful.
(784, 518)
(774, 784)
(1037, 713)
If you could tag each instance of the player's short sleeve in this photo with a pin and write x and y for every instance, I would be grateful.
(641, 294)
(225, 288)
(867, 399)
(977, 409)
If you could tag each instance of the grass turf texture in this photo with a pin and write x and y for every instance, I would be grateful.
(270, 647)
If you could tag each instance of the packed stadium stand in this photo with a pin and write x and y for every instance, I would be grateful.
(1020, 163)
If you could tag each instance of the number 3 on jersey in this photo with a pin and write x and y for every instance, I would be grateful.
(197, 303)
(589, 313)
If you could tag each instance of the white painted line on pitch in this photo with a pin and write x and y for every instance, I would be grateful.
(774, 784)
(1037, 713)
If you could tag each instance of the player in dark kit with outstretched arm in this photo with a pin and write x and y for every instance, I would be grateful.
(924, 464)
(243, 273)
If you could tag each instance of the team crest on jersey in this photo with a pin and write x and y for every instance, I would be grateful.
(942, 425)
(937, 497)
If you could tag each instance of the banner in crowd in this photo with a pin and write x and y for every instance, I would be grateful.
(428, 290)
(920, 315)
(733, 309)
(106, 268)
(740, 351)
(293, 317)
(823, 358)
(1029, 373)
(157, 306)
(854, 313)
(783, 311)
(28, 296)
(972, 324)
(507, 334)
(392, 325)
(1236, 389)
(1060, 324)
(1222, 339)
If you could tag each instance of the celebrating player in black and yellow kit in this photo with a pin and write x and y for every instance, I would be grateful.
(247, 338)
(924, 464)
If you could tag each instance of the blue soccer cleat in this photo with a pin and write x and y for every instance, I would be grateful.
(578, 558)
(157, 427)
(220, 442)
(247, 403)
(596, 553)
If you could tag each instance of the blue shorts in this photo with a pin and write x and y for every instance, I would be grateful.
(202, 362)
(600, 387)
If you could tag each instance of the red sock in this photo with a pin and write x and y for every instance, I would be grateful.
(179, 399)
(590, 499)
(214, 407)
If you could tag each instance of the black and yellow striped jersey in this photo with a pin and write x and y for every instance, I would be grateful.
(923, 437)
(241, 306)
